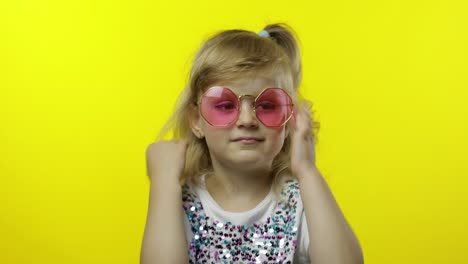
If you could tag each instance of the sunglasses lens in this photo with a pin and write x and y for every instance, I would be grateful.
(219, 106)
(274, 107)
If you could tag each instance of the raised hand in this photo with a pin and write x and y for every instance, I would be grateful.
(303, 146)
(165, 160)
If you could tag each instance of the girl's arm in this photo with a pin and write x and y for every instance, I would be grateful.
(164, 239)
(331, 239)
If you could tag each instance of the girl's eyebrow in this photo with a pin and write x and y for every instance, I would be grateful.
(254, 95)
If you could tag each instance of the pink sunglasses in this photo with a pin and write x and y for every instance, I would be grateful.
(220, 106)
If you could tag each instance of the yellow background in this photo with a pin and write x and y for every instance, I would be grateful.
(86, 85)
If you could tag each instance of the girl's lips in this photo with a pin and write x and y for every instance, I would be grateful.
(248, 141)
(248, 138)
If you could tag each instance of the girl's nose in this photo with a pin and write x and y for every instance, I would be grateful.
(247, 115)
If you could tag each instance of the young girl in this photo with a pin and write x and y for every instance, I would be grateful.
(239, 184)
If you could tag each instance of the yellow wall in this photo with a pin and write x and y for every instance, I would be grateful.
(86, 85)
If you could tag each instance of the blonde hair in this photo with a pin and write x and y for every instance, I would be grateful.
(226, 56)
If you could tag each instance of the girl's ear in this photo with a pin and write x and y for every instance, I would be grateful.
(195, 122)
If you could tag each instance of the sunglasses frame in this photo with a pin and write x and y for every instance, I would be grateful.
(238, 108)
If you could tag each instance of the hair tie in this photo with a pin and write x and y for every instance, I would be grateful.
(264, 33)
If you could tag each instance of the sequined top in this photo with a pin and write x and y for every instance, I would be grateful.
(269, 237)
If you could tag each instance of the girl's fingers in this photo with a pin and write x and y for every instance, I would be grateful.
(307, 123)
(302, 122)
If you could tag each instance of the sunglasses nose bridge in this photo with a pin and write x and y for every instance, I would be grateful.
(252, 104)
(247, 95)
(250, 109)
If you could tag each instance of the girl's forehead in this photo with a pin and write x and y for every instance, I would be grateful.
(252, 85)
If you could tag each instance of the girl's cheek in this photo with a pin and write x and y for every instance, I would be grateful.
(278, 142)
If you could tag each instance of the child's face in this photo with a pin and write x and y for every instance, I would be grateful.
(224, 142)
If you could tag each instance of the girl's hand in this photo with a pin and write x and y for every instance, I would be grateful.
(302, 146)
(165, 160)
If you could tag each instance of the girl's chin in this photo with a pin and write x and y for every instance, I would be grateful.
(248, 161)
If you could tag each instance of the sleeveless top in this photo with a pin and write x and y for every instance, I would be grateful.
(273, 240)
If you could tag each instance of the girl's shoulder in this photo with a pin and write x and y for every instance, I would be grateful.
(290, 185)
(290, 192)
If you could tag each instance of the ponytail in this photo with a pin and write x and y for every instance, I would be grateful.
(285, 37)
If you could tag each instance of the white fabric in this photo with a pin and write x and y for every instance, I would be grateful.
(260, 213)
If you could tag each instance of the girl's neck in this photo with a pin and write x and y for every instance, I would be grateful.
(238, 191)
